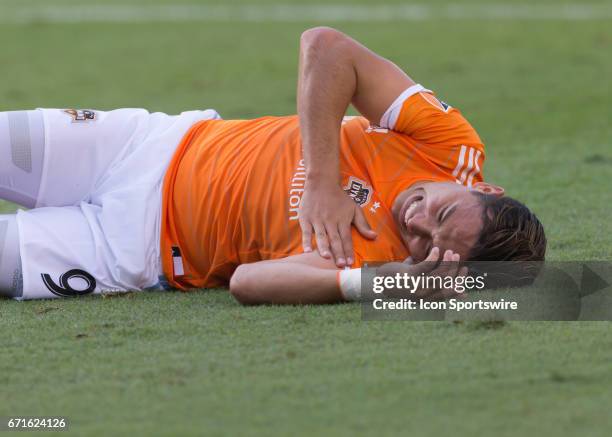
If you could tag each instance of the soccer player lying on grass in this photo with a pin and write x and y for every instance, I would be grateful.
(128, 200)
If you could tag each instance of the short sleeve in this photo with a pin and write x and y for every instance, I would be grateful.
(391, 115)
(439, 131)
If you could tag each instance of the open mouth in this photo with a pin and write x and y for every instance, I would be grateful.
(410, 211)
(410, 207)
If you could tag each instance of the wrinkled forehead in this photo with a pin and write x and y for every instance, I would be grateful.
(462, 229)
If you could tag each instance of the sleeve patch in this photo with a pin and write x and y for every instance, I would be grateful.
(433, 101)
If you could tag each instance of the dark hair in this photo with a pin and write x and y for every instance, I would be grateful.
(510, 232)
(511, 245)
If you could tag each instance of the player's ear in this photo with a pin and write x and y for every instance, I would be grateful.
(486, 188)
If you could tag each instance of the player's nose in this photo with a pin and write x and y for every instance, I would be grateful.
(419, 225)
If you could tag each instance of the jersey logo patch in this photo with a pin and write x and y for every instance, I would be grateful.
(359, 191)
(80, 115)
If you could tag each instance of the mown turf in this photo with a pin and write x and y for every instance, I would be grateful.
(176, 364)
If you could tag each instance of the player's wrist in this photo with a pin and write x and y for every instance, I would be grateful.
(349, 284)
(322, 180)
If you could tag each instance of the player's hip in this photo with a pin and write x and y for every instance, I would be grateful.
(105, 235)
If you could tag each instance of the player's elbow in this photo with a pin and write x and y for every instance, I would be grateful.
(243, 287)
(320, 38)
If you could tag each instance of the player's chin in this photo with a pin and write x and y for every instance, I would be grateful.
(418, 259)
(413, 251)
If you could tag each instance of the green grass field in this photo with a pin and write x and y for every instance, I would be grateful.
(539, 93)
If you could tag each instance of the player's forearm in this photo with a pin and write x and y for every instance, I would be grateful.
(327, 83)
(284, 283)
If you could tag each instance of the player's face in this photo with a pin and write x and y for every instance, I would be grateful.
(442, 214)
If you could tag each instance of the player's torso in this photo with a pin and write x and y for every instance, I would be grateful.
(240, 184)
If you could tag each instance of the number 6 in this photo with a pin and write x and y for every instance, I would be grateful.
(64, 289)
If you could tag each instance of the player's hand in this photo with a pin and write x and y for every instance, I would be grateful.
(435, 265)
(329, 211)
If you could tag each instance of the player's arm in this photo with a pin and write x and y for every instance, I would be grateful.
(310, 279)
(300, 279)
(339, 70)
(335, 71)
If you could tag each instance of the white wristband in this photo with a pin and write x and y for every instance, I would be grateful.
(349, 282)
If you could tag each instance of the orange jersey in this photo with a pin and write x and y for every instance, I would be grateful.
(232, 191)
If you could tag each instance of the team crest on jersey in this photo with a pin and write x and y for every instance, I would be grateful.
(80, 115)
(359, 191)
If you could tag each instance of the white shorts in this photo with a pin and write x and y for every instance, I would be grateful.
(96, 225)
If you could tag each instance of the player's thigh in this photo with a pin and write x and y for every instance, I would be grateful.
(65, 252)
(81, 146)
(22, 144)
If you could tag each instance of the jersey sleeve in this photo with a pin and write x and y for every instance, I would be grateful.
(440, 132)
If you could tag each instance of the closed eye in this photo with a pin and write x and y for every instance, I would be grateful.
(446, 213)
(441, 214)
